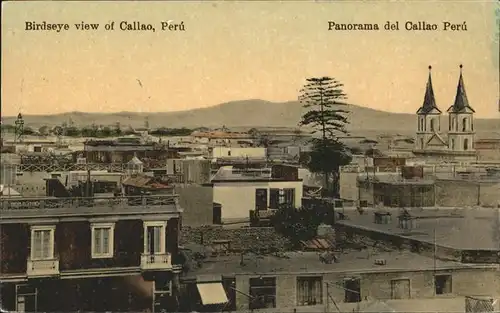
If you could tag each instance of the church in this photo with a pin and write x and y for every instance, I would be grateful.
(457, 144)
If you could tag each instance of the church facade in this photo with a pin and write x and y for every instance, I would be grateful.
(457, 142)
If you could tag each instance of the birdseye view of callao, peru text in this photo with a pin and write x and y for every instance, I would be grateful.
(168, 25)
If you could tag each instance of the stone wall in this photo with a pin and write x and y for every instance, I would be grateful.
(241, 239)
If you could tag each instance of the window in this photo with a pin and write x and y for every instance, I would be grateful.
(102, 240)
(352, 290)
(464, 124)
(309, 291)
(421, 143)
(154, 237)
(281, 196)
(261, 199)
(262, 293)
(274, 198)
(432, 125)
(42, 242)
(442, 284)
(289, 196)
(453, 144)
(466, 144)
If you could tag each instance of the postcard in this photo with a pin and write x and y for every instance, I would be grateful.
(284, 156)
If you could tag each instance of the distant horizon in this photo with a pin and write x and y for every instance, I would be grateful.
(208, 107)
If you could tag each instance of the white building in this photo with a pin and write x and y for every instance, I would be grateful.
(458, 142)
(239, 192)
(238, 152)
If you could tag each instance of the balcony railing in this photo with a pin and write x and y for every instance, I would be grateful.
(67, 203)
(156, 261)
(42, 167)
(49, 267)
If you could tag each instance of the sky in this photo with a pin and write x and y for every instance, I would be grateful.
(243, 50)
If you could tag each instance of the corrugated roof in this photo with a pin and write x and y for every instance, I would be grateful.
(318, 244)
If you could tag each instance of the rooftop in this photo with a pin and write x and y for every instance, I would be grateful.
(459, 228)
(309, 262)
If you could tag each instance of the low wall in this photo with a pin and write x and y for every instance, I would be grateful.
(242, 239)
(372, 238)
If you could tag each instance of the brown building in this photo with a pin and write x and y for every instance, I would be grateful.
(122, 150)
(90, 254)
(304, 281)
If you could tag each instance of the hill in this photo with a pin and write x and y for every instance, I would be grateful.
(249, 113)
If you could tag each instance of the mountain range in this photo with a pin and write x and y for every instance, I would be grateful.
(248, 114)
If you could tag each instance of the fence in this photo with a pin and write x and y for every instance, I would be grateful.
(479, 304)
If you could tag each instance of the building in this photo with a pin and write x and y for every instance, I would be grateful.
(307, 282)
(90, 254)
(458, 142)
(242, 191)
(123, 149)
(488, 149)
(443, 232)
(237, 152)
(393, 190)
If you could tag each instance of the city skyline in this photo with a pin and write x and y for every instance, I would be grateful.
(238, 51)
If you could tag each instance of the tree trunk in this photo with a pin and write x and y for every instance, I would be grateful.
(336, 182)
(326, 183)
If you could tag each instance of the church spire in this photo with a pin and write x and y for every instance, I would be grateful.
(429, 104)
(461, 104)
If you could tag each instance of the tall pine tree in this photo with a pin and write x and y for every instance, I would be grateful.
(327, 114)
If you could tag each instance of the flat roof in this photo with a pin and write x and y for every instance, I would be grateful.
(309, 262)
(459, 228)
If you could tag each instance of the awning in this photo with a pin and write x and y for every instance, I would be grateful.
(212, 293)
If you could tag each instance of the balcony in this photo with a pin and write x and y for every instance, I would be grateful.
(51, 206)
(42, 268)
(156, 262)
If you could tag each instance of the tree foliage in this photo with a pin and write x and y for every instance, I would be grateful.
(327, 114)
(300, 224)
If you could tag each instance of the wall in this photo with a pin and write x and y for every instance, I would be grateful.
(197, 202)
(238, 197)
(311, 179)
(488, 154)
(8, 174)
(467, 193)
(348, 186)
(73, 245)
(255, 152)
(31, 184)
(477, 282)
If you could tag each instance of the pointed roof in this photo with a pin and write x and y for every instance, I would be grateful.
(461, 104)
(429, 104)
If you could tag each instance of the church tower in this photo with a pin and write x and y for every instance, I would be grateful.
(428, 117)
(461, 120)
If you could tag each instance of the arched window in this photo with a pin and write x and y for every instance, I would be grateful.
(432, 125)
(466, 144)
(453, 144)
(421, 143)
(464, 124)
